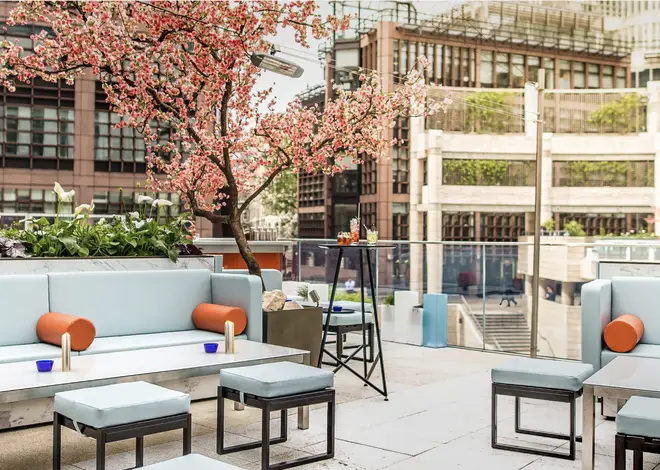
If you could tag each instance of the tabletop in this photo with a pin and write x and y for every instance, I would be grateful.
(357, 245)
(627, 372)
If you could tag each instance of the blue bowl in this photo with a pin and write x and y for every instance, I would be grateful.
(45, 366)
(336, 308)
(211, 348)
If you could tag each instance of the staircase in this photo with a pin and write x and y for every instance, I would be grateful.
(504, 331)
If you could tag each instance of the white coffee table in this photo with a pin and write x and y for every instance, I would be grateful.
(20, 381)
(622, 378)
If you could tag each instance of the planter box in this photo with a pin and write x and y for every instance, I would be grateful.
(51, 265)
(300, 328)
(387, 322)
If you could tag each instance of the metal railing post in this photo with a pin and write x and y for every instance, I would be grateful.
(483, 293)
(299, 260)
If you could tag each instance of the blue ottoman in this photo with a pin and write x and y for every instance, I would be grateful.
(539, 379)
(637, 429)
(276, 386)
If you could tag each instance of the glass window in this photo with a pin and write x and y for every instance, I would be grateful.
(620, 77)
(502, 70)
(438, 64)
(578, 75)
(564, 74)
(456, 68)
(608, 76)
(594, 76)
(347, 58)
(466, 67)
(533, 65)
(403, 70)
(395, 57)
(448, 59)
(517, 70)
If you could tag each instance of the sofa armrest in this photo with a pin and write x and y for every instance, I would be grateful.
(272, 277)
(596, 314)
(244, 291)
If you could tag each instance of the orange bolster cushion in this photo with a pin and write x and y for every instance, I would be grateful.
(52, 325)
(623, 334)
(212, 317)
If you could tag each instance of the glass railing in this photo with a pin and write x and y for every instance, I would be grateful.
(489, 285)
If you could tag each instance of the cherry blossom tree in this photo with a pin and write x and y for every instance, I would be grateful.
(187, 64)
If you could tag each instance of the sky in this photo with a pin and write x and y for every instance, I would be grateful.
(285, 88)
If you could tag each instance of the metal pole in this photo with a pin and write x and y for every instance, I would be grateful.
(537, 215)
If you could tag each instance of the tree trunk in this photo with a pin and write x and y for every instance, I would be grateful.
(244, 248)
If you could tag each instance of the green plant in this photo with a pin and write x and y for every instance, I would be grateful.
(574, 229)
(143, 233)
(623, 115)
(601, 173)
(482, 114)
(353, 297)
(388, 299)
(549, 225)
(303, 291)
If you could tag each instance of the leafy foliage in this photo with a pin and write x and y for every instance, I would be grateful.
(482, 113)
(549, 225)
(608, 173)
(388, 299)
(486, 172)
(354, 297)
(574, 229)
(281, 198)
(303, 291)
(623, 115)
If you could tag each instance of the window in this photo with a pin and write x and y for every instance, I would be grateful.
(412, 61)
(533, 65)
(564, 74)
(594, 75)
(403, 69)
(369, 174)
(35, 201)
(122, 202)
(486, 69)
(341, 217)
(456, 67)
(502, 70)
(400, 157)
(620, 77)
(549, 66)
(608, 76)
(448, 63)
(400, 221)
(458, 226)
(578, 75)
(466, 67)
(517, 70)
(438, 64)
(471, 172)
(310, 190)
(395, 60)
(312, 225)
(369, 213)
(582, 173)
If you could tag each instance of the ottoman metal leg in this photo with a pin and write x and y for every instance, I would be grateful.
(519, 391)
(100, 451)
(57, 442)
(139, 451)
(619, 452)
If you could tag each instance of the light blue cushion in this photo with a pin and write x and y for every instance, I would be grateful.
(243, 291)
(272, 277)
(30, 352)
(596, 314)
(641, 350)
(639, 296)
(344, 319)
(154, 340)
(191, 462)
(131, 302)
(23, 299)
(276, 379)
(357, 306)
(558, 375)
(640, 416)
(121, 403)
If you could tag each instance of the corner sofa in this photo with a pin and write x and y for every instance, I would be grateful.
(130, 309)
(605, 300)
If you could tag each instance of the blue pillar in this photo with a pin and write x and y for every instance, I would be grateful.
(434, 321)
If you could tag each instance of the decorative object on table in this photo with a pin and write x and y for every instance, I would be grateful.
(344, 238)
(336, 308)
(539, 379)
(66, 352)
(314, 296)
(213, 317)
(364, 251)
(434, 321)
(623, 333)
(211, 348)
(276, 386)
(355, 230)
(52, 325)
(45, 365)
(273, 300)
(111, 413)
(229, 337)
(372, 236)
(292, 305)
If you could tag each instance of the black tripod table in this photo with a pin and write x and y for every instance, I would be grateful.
(365, 250)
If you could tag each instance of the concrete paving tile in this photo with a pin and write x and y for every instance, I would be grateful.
(360, 456)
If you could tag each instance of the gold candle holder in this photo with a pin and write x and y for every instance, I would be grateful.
(229, 337)
(66, 352)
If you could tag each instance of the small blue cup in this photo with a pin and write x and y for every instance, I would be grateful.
(45, 365)
(211, 348)
(336, 308)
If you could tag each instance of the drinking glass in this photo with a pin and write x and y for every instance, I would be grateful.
(372, 237)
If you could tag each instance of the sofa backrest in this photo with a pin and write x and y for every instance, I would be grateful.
(23, 299)
(131, 302)
(641, 297)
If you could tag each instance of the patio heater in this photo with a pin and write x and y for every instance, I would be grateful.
(268, 61)
(534, 100)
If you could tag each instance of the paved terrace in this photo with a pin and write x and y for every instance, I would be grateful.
(438, 417)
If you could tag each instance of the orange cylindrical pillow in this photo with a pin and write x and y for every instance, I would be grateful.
(212, 317)
(623, 334)
(52, 325)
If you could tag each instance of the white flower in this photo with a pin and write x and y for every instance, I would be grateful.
(139, 224)
(134, 215)
(142, 198)
(64, 196)
(149, 219)
(101, 221)
(161, 202)
(84, 209)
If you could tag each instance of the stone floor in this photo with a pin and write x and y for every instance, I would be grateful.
(437, 418)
